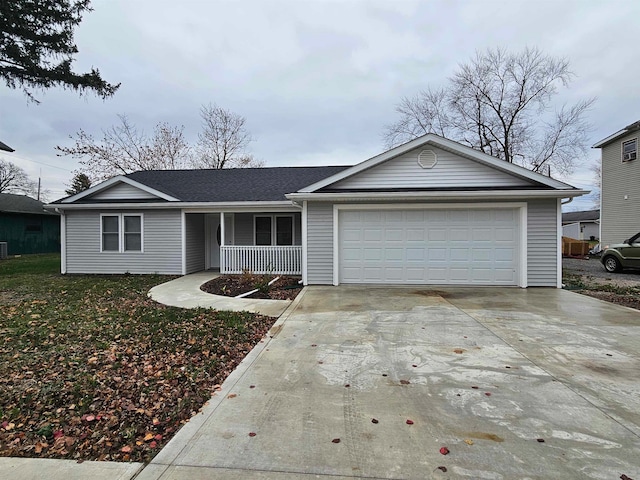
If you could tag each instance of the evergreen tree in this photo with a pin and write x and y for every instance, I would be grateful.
(37, 47)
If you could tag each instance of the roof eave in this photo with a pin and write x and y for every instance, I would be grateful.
(210, 206)
(619, 134)
(432, 195)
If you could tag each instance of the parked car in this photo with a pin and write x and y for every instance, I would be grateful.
(622, 255)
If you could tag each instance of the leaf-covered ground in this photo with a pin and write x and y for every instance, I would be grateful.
(92, 369)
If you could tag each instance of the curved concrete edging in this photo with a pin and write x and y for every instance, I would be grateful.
(184, 292)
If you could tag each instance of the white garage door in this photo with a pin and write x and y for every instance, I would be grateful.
(425, 246)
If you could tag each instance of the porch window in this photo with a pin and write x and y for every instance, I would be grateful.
(263, 230)
(266, 234)
(284, 230)
(121, 232)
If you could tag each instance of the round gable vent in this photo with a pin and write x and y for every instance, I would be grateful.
(427, 158)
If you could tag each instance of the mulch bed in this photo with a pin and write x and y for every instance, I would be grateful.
(631, 301)
(285, 288)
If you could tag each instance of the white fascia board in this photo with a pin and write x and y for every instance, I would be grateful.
(450, 145)
(114, 180)
(191, 207)
(431, 195)
(610, 138)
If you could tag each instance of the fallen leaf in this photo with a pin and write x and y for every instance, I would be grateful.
(232, 395)
(540, 440)
(252, 386)
(347, 385)
(335, 440)
(158, 437)
(468, 441)
(459, 350)
(155, 421)
(153, 444)
(444, 469)
(126, 449)
(409, 422)
(57, 434)
(252, 434)
(475, 387)
(374, 420)
(488, 394)
(405, 382)
(444, 451)
(148, 437)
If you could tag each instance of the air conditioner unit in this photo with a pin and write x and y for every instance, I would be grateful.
(629, 156)
(4, 250)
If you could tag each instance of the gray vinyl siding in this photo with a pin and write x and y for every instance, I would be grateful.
(195, 242)
(319, 243)
(243, 225)
(451, 170)
(123, 191)
(619, 216)
(162, 244)
(542, 243)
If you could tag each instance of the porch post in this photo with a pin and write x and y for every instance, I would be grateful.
(222, 259)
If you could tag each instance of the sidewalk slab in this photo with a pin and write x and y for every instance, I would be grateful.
(184, 292)
(13, 468)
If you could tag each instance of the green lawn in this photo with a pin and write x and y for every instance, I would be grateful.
(91, 368)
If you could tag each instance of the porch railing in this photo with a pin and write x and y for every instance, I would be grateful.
(283, 260)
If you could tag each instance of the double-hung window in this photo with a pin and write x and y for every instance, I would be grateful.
(121, 232)
(629, 150)
(273, 230)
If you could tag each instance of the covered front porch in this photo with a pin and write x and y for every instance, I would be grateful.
(237, 242)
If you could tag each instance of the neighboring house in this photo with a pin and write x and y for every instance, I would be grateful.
(6, 148)
(26, 226)
(431, 211)
(620, 183)
(583, 225)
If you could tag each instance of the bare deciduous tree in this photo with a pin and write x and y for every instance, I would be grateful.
(124, 149)
(14, 179)
(223, 141)
(597, 180)
(500, 103)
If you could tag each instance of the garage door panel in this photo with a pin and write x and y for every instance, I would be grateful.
(436, 234)
(433, 246)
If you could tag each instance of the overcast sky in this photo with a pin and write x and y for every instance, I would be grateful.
(316, 80)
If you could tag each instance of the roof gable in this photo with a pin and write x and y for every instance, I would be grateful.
(444, 170)
(522, 177)
(117, 189)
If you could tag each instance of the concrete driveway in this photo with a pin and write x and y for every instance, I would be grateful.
(536, 383)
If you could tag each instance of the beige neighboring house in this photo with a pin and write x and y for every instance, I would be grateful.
(620, 187)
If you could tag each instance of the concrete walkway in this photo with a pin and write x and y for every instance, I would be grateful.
(185, 292)
(372, 382)
(13, 468)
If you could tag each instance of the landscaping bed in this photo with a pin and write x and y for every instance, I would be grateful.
(588, 277)
(284, 288)
(92, 369)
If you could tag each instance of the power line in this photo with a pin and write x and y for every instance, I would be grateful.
(35, 161)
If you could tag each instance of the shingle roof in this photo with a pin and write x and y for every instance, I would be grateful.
(233, 184)
(584, 216)
(6, 148)
(13, 203)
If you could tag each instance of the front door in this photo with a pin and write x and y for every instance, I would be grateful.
(214, 241)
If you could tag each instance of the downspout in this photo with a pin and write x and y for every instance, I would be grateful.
(63, 240)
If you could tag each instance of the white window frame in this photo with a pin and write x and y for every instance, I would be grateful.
(121, 233)
(622, 149)
(274, 227)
